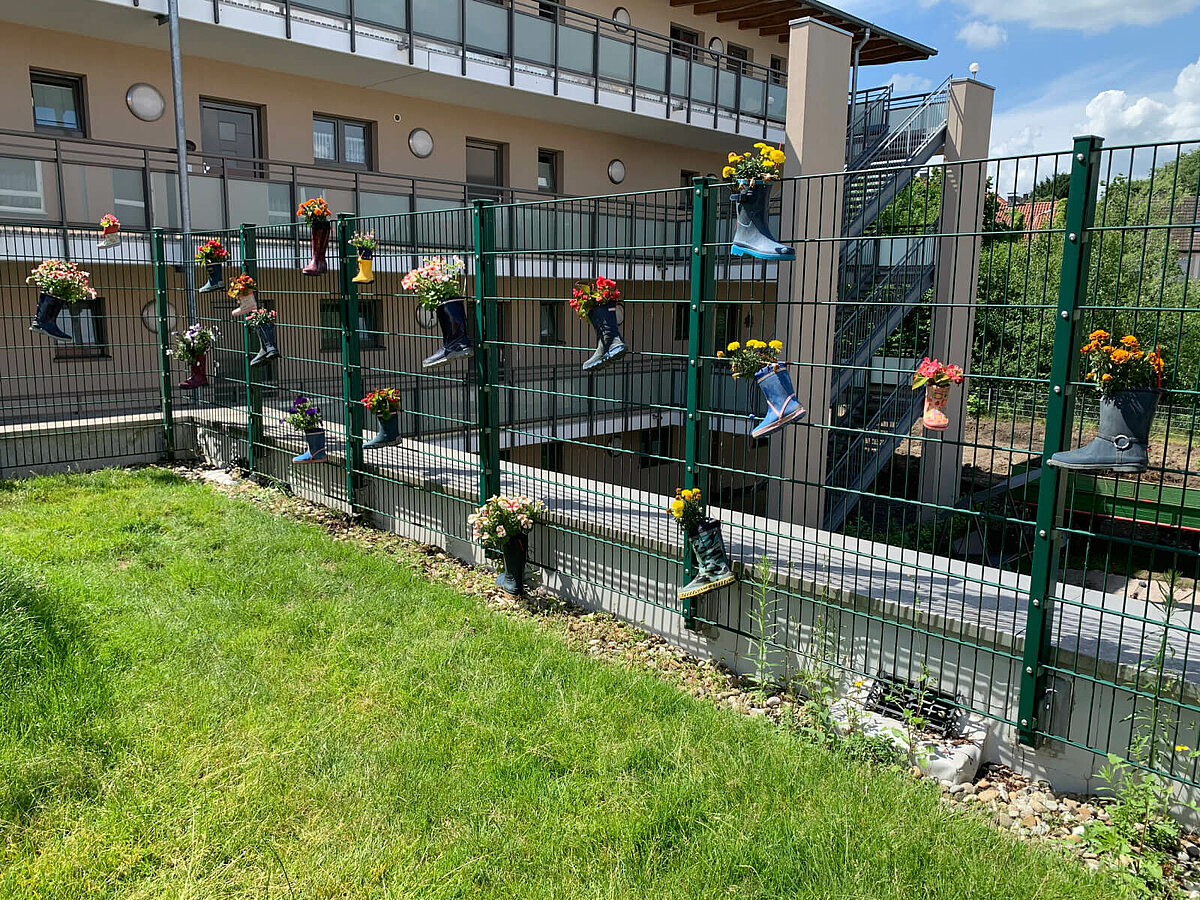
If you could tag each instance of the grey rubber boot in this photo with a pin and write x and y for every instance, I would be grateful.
(609, 344)
(1120, 446)
(712, 570)
(267, 348)
(512, 579)
(752, 237)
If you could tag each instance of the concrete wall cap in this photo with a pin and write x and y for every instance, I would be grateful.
(806, 20)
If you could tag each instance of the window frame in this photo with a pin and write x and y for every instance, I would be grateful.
(329, 314)
(737, 56)
(556, 160)
(77, 351)
(78, 86)
(654, 447)
(678, 43)
(554, 308)
(339, 124)
(551, 456)
(778, 70)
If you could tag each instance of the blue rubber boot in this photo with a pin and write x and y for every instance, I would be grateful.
(782, 405)
(216, 280)
(512, 579)
(267, 348)
(1120, 446)
(452, 316)
(752, 237)
(44, 320)
(608, 334)
(315, 438)
(389, 433)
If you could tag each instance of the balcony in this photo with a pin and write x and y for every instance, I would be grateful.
(542, 48)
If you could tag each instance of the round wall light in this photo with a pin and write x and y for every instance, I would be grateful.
(717, 46)
(621, 17)
(145, 101)
(616, 171)
(420, 142)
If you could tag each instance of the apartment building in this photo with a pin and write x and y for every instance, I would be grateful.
(397, 106)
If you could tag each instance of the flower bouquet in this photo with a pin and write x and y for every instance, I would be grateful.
(936, 377)
(704, 538)
(304, 416)
(1129, 379)
(384, 404)
(364, 243)
(242, 290)
(192, 348)
(597, 302)
(504, 523)
(754, 173)
(212, 254)
(437, 282)
(760, 360)
(58, 284)
(316, 213)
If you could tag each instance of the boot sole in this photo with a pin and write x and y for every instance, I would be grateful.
(778, 424)
(262, 362)
(305, 462)
(744, 251)
(711, 586)
(444, 361)
(1123, 470)
(604, 362)
(371, 446)
(62, 340)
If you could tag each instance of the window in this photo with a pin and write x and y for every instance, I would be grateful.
(58, 104)
(685, 43)
(552, 456)
(548, 11)
(485, 168)
(778, 69)
(21, 190)
(653, 445)
(737, 52)
(727, 326)
(549, 168)
(369, 337)
(548, 322)
(84, 321)
(342, 142)
(682, 322)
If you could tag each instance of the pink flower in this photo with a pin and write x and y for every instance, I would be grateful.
(954, 373)
(500, 531)
(929, 368)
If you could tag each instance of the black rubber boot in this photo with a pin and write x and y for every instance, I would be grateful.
(752, 237)
(44, 320)
(1120, 446)
(712, 565)
(267, 348)
(608, 334)
(512, 579)
(216, 280)
(452, 316)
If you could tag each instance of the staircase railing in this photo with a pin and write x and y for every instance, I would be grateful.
(869, 114)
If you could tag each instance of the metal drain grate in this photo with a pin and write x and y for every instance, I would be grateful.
(892, 696)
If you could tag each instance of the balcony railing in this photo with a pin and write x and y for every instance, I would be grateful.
(619, 64)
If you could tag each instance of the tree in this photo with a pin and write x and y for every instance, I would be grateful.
(1052, 187)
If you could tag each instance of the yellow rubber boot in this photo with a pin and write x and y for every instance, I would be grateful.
(365, 275)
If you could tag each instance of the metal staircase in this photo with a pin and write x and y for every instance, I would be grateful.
(882, 278)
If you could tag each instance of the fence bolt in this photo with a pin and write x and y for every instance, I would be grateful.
(696, 251)
(1037, 603)
(1080, 157)
(1058, 389)
(1042, 533)
(1029, 670)
(1072, 237)
(1065, 314)
(1024, 723)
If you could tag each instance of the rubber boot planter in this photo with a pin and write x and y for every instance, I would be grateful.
(389, 433)
(1120, 446)
(753, 237)
(782, 405)
(321, 230)
(516, 554)
(216, 279)
(365, 275)
(110, 236)
(315, 438)
(712, 565)
(45, 319)
(936, 398)
(247, 303)
(267, 348)
(452, 316)
(197, 378)
(609, 344)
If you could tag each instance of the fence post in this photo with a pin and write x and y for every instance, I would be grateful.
(352, 391)
(487, 367)
(702, 283)
(254, 424)
(1060, 412)
(158, 259)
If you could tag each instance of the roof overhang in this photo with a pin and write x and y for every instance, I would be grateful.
(772, 17)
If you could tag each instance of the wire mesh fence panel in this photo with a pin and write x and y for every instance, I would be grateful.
(82, 387)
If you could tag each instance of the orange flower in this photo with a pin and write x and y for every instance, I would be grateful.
(1090, 347)
(1121, 356)
(1089, 376)
(1106, 377)
(1129, 342)
(1099, 335)
(1107, 348)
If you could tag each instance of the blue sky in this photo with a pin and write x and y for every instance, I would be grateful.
(1128, 70)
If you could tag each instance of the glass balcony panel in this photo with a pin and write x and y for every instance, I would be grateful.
(207, 203)
(442, 232)
(487, 27)
(575, 49)
(336, 7)
(436, 19)
(339, 200)
(727, 90)
(777, 102)
(704, 82)
(535, 227)
(679, 77)
(27, 189)
(753, 99)
(129, 199)
(381, 12)
(651, 69)
(392, 229)
(257, 202)
(616, 59)
(533, 39)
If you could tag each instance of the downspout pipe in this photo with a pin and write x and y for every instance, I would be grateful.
(853, 68)
(185, 203)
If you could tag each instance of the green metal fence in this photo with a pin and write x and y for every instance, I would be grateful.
(1059, 604)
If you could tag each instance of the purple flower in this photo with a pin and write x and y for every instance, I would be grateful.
(312, 410)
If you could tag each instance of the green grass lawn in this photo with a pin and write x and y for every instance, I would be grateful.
(203, 700)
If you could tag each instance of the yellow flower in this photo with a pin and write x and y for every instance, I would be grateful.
(1120, 356)
(733, 157)
(777, 346)
(677, 508)
(1099, 335)
(733, 345)
(1129, 342)
(768, 164)
(760, 145)
(727, 172)
(1089, 376)
(778, 157)
(1180, 748)
(720, 354)
(1106, 377)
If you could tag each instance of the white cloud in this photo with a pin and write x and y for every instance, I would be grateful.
(1123, 119)
(982, 35)
(907, 83)
(1079, 15)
